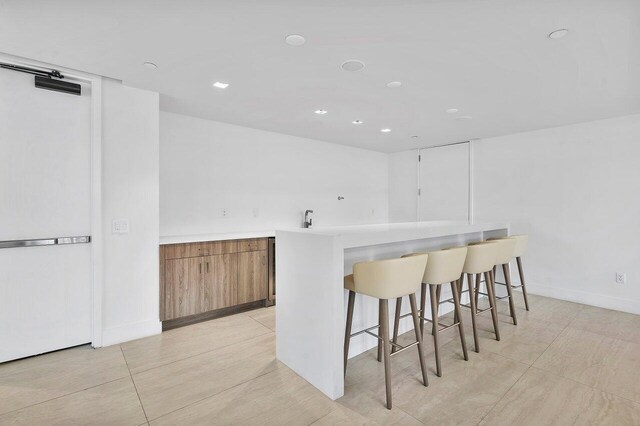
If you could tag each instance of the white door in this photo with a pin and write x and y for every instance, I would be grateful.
(45, 292)
(444, 183)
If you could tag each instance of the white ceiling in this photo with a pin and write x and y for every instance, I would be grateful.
(490, 59)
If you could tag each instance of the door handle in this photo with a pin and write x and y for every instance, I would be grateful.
(45, 242)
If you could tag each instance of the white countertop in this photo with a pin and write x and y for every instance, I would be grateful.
(385, 233)
(353, 235)
(218, 236)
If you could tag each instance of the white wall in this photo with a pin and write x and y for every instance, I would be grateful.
(576, 191)
(208, 166)
(130, 190)
(403, 185)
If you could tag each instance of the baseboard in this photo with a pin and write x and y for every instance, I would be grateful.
(127, 332)
(206, 316)
(586, 298)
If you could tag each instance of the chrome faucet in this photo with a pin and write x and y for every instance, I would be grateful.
(307, 220)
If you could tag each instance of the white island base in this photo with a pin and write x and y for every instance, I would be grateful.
(311, 300)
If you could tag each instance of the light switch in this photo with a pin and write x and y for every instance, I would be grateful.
(120, 226)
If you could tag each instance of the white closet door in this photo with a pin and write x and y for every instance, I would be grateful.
(444, 183)
(45, 292)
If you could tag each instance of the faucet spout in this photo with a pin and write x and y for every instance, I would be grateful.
(308, 222)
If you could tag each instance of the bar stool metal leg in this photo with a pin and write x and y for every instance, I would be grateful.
(524, 288)
(423, 306)
(379, 335)
(492, 301)
(458, 314)
(396, 323)
(512, 306)
(472, 301)
(434, 328)
(384, 332)
(347, 334)
(414, 314)
(478, 280)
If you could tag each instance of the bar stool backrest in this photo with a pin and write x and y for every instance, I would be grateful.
(444, 266)
(521, 244)
(390, 278)
(481, 257)
(506, 248)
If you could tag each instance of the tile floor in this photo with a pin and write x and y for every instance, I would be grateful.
(563, 364)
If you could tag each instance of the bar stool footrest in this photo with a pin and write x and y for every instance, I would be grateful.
(512, 286)
(402, 348)
(478, 311)
(444, 326)
(366, 330)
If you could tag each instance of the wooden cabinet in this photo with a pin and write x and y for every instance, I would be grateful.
(253, 244)
(183, 284)
(210, 277)
(220, 281)
(252, 276)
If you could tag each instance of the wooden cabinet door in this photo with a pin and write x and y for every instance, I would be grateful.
(183, 287)
(252, 276)
(220, 281)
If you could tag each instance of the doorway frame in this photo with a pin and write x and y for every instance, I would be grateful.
(95, 172)
(471, 143)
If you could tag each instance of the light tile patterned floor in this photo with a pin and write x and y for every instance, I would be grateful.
(563, 364)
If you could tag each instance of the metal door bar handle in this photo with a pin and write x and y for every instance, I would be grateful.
(73, 240)
(45, 242)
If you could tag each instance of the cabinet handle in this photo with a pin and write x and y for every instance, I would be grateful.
(200, 267)
(207, 266)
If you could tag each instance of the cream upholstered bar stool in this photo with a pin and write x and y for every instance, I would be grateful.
(444, 266)
(384, 280)
(520, 248)
(505, 251)
(480, 260)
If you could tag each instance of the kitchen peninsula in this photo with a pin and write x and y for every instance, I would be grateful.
(310, 266)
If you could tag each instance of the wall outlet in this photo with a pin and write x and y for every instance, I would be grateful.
(621, 278)
(224, 212)
(120, 226)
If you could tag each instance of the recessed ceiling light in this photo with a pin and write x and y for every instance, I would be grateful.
(386, 130)
(394, 84)
(320, 111)
(357, 121)
(295, 40)
(452, 110)
(220, 85)
(558, 33)
(463, 117)
(352, 65)
(150, 65)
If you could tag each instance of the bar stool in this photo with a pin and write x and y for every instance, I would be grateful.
(481, 258)
(506, 250)
(444, 266)
(384, 280)
(521, 247)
